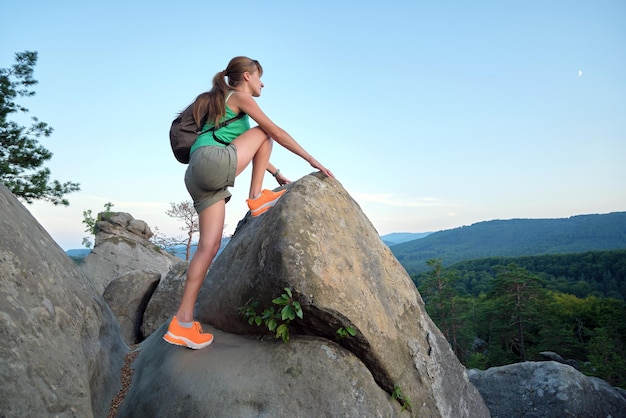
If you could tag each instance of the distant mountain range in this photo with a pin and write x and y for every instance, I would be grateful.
(399, 237)
(515, 237)
(78, 253)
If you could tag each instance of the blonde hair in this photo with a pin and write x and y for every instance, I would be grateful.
(211, 105)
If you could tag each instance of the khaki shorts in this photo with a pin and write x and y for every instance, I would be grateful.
(210, 173)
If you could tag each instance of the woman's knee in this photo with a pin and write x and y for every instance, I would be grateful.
(249, 144)
(266, 142)
(208, 248)
(254, 135)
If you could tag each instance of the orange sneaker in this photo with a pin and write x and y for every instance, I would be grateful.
(262, 203)
(187, 337)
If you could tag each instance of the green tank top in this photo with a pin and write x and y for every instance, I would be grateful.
(227, 133)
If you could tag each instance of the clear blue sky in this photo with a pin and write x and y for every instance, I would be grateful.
(432, 115)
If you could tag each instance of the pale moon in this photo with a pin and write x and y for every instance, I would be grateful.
(580, 73)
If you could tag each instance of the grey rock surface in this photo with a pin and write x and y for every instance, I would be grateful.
(128, 296)
(318, 242)
(61, 348)
(165, 299)
(546, 389)
(239, 376)
(123, 245)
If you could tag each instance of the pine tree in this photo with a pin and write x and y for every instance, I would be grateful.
(446, 308)
(518, 300)
(21, 156)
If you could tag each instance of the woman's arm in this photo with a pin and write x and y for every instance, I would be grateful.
(245, 103)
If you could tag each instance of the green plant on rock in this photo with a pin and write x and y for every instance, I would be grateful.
(91, 223)
(276, 317)
(344, 332)
(400, 397)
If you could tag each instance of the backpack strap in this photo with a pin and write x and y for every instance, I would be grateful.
(219, 141)
(221, 125)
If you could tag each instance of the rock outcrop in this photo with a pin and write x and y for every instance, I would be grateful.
(62, 351)
(164, 301)
(546, 389)
(239, 376)
(317, 242)
(61, 348)
(551, 355)
(122, 245)
(128, 296)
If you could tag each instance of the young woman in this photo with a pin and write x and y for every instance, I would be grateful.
(217, 157)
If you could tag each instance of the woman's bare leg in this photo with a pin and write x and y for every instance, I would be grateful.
(211, 221)
(254, 146)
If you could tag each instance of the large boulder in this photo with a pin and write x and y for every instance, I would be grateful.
(546, 389)
(165, 299)
(122, 245)
(317, 242)
(551, 355)
(128, 296)
(240, 377)
(61, 348)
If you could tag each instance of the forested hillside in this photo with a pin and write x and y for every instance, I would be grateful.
(517, 316)
(593, 273)
(513, 238)
(504, 291)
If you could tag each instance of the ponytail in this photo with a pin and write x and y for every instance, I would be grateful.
(211, 105)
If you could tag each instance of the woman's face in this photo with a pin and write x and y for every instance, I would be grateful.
(255, 83)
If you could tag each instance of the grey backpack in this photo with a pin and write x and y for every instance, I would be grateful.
(184, 132)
